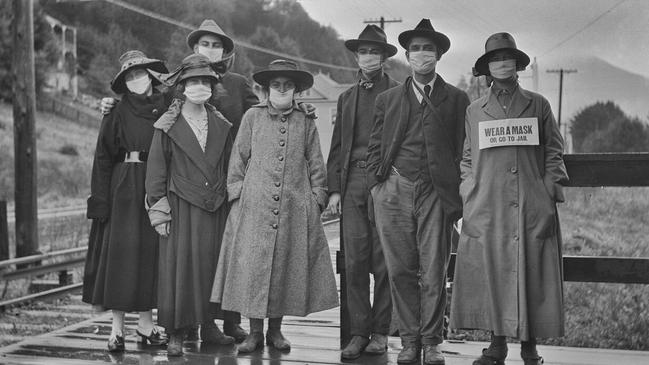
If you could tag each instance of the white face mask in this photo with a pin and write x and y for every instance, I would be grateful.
(369, 62)
(423, 62)
(140, 85)
(281, 100)
(198, 94)
(214, 54)
(502, 70)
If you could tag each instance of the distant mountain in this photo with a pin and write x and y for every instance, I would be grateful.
(595, 80)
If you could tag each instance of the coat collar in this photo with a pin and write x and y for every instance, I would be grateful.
(439, 89)
(273, 111)
(521, 99)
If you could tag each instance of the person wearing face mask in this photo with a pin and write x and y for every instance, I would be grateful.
(186, 202)
(349, 196)
(508, 275)
(122, 262)
(275, 259)
(413, 172)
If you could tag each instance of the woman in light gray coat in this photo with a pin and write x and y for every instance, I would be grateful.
(275, 259)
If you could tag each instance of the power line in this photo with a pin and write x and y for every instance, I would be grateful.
(180, 24)
(583, 28)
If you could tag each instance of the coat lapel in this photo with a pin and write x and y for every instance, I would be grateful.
(521, 100)
(182, 134)
(217, 135)
(349, 113)
(439, 91)
(492, 108)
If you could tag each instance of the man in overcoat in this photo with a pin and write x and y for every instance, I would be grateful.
(508, 276)
(413, 173)
(370, 323)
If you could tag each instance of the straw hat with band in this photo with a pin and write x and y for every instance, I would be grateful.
(194, 65)
(135, 59)
(209, 26)
(425, 29)
(372, 35)
(302, 79)
(497, 42)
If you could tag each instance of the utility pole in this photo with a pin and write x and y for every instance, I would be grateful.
(24, 109)
(561, 71)
(381, 21)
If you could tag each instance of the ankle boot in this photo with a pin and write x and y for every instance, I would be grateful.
(275, 338)
(175, 345)
(212, 334)
(254, 341)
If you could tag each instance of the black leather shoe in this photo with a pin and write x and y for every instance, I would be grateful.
(175, 345)
(433, 355)
(212, 334)
(354, 348)
(156, 337)
(538, 360)
(116, 343)
(488, 359)
(276, 339)
(235, 330)
(409, 354)
(254, 341)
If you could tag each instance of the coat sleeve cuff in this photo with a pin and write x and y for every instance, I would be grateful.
(321, 197)
(234, 191)
(97, 208)
(160, 212)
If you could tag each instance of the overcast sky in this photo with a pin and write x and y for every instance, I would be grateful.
(541, 28)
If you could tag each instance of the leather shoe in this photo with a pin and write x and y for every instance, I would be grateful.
(275, 338)
(212, 334)
(378, 344)
(433, 355)
(538, 360)
(235, 330)
(409, 354)
(175, 345)
(354, 348)
(192, 334)
(253, 341)
(156, 337)
(494, 355)
(116, 343)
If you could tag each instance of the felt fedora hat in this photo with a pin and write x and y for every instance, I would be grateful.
(132, 59)
(209, 26)
(497, 42)
(425, 29)
(303, 79)
(373, 35)
(194, 65)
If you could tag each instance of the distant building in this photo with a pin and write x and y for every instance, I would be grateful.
(63, 78)
(324, 97)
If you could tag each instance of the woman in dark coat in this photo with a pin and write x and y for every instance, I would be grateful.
(122, 262)
(186, 196)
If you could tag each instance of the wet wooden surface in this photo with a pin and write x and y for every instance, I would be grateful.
(315, 340)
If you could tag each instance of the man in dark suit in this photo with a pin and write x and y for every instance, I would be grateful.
(370, 323)
(413, 173)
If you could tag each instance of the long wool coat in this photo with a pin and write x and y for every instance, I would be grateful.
(188, 188)
(508, 276)
(122, 261)
(275, 259)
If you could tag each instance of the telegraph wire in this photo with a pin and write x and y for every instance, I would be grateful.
(180, 24)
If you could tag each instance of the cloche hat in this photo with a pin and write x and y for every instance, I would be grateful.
(285, 68)
(194, 65)
(497, 42)
(132, 59)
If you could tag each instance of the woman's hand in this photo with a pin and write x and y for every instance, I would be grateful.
(107, 105)
(162, 229)
(334, 203)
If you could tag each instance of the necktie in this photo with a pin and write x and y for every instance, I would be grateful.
(427, 93)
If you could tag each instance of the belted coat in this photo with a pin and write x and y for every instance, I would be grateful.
(187, 187)
(508, 275)
(275, 258)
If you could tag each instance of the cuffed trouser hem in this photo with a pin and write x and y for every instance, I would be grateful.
(432, 341)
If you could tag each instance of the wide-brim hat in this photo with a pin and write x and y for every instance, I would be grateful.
(303, 79)
(130, 60)
(373, 35)
(209, 26)
(194, 65)
(425, 29)
(497, 42)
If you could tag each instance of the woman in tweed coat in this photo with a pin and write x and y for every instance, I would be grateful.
(275, 259)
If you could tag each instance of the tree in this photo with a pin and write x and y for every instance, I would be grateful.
(592, 119)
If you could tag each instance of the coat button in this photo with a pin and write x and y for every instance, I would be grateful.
(207, 184)
(278, 184)
(515, 238)
(274, 225)
(276, 211)
(276, 198)
(515, 205)
(283, 119)
(282, 143)
(282, 130)
(154, 111)
(281, 158)
(513, 170)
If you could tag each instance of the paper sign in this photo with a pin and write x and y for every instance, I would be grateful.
(508, 132)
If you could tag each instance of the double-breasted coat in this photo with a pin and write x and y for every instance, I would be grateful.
(122, 261)
(342, 139)
(275, 259)
(187, 187)
(508, 275)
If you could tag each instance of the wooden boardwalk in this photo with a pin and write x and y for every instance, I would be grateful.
(315, 340)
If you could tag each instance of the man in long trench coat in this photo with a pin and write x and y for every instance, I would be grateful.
(413, 172)
(508, 276)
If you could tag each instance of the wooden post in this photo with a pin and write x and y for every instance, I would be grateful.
(24, 98)
(4, 232)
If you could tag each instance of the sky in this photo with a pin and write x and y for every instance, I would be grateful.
(550, 30)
